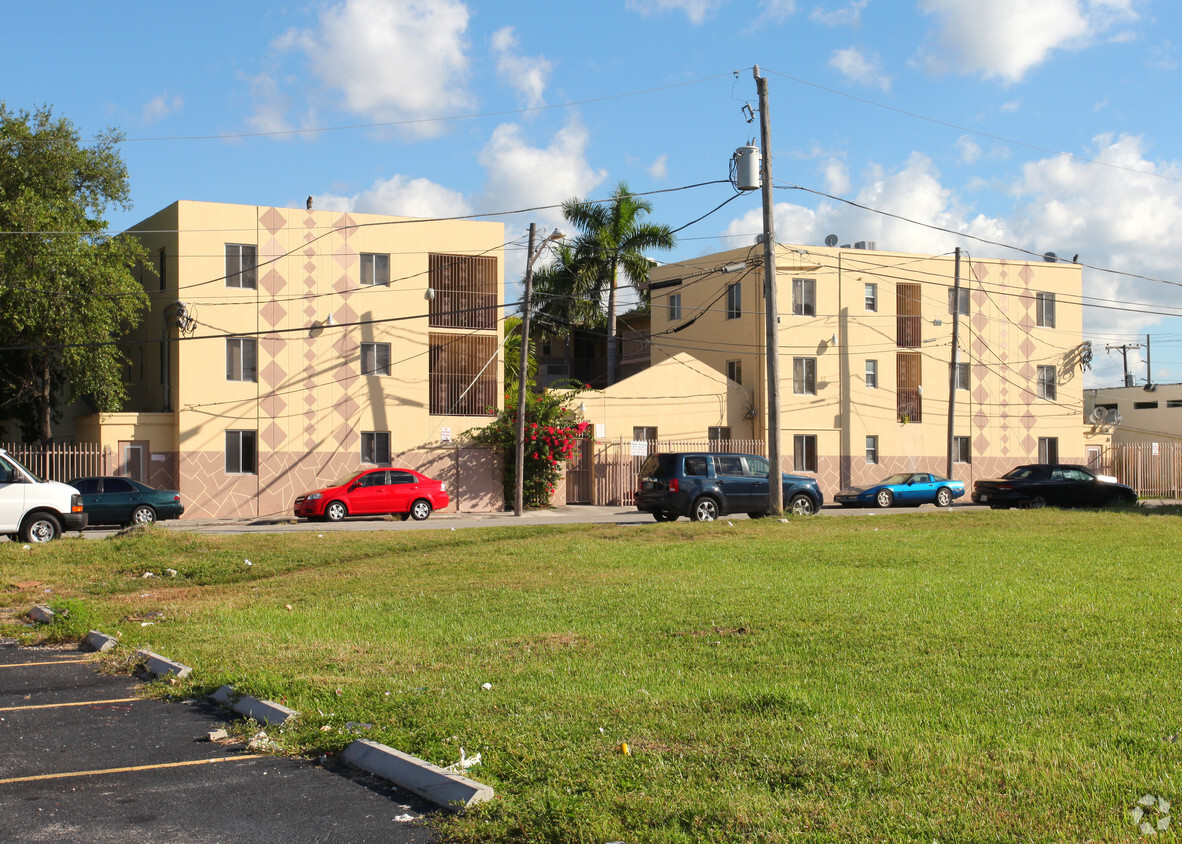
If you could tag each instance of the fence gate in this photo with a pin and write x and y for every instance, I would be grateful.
(581, 473)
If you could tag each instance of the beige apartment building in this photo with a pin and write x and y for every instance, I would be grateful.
(867, 365)
(286, 347)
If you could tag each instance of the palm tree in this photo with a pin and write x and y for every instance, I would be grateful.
(613, 237)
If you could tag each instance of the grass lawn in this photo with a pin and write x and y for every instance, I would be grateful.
(953, 677)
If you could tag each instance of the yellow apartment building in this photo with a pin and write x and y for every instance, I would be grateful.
(286, 347)
(867, 364)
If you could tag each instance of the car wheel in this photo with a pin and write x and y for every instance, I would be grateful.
(943, 497)
(885, 498)
(801, 505)
(1036, 503)
(142, 515)
(420, 510)
(705, 510)
(335, 511)
(40, 527)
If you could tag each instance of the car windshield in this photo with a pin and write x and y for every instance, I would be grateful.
(901, 478)
(14, 463)
(345, 480)
(1022, 472)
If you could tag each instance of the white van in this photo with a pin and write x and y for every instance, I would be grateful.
(34, 510)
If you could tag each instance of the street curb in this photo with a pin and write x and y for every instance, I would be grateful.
(451, 791)
(160, 666)
(100, 642)
(263, 711)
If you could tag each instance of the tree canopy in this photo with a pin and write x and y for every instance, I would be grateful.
(580, 287)
(66, 286)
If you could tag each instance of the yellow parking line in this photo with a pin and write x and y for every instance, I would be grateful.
(51, 662)
(72, 703)
(132, 768)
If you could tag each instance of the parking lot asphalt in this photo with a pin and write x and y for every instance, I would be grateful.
(84, 758)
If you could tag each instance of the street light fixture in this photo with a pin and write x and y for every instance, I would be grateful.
(532, 255)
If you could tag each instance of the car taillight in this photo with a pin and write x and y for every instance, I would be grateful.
(177, 499)
(673, 485)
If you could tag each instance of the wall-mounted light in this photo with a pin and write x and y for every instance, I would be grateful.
(331, 320)
(429, 294)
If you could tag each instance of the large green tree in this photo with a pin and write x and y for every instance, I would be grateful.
(613, 240)
(66, 286)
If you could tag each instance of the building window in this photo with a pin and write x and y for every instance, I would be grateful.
(734, 371)
(718, 435)
(1048, 449)
(908, 386)
(1144, 405)
(872, 450)
(241, 453)
(734, 301)
(958, 297)
(871, 297)
(804, 452)
(1044, 310)
(961, 376)
(375, 269)
(674, 306)
(1046, 383)
(465, 291)
(1173, 403)
(804, 297)
(872, 374)
(909, 316)
(242, 359)
(960, 450)
(462, 372)
(804, 376)
(163, 282)
(375, 358)
(241, 263)
(375, 447)
(644, 433)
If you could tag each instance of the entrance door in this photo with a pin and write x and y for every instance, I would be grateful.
(1092, 452)
(133, 461)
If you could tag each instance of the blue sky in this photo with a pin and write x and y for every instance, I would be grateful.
(1046, 125)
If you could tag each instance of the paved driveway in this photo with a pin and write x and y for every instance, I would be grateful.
(83, 758)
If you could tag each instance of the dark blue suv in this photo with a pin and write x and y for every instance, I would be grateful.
(705, 486)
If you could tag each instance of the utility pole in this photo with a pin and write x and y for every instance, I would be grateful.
(775, 481)
(1148, 364)
(1124, 353)
(953, 362)
(519, 463)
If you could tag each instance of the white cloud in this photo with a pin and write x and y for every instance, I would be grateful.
(969, 149)
(160, 107)
(776, 11)
(837, 177)
(528, 76)
(392, 60)
(400, 196)
(1007, 38)
(270, 105)
(659, 169)
(695, 10)
(863, 68)
(1011, 106)
(848, 15)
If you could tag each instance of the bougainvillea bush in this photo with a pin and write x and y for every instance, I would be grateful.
(551, 428)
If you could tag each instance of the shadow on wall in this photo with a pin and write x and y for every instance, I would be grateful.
(472, 474)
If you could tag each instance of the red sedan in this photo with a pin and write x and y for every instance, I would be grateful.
(374, 492)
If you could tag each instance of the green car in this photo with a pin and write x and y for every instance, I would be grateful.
(122, 501)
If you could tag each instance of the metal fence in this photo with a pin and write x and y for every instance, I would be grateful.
(605, 472)
(59, 461)
(1153, 469)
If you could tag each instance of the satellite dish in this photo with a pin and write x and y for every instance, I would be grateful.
(1098, 415)
(1115, 420)
(830, 240)
(1050, 257)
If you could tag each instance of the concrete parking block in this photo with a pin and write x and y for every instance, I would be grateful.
(451, 791)
(160, 666)
(263, 711)
(100, 642)
(41, 614)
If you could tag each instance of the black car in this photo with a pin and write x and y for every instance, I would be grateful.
(122, 501)
(705, 486)
(1042, 484)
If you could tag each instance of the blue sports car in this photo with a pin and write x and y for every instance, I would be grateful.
(908, 489)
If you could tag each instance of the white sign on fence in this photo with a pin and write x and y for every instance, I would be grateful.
(640, 448)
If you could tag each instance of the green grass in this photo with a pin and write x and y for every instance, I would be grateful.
(953, 677)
